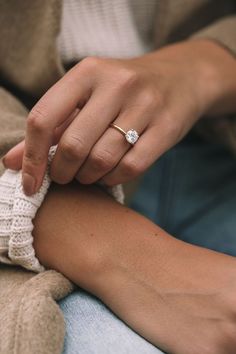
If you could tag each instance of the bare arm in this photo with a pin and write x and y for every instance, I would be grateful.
(178, 296)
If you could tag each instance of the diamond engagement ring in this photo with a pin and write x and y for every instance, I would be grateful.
(131, 135)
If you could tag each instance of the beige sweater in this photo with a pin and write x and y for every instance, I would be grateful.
(29, 65)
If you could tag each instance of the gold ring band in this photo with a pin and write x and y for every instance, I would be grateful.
(118, 128)
(131, 135)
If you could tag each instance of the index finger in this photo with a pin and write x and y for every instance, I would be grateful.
(48, 113)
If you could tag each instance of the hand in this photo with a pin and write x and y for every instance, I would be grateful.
(161, 95)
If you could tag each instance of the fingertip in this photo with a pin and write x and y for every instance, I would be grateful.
(29, 184)
(4, 161)
(12, 163)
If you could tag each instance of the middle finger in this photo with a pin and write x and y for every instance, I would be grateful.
(86, 128)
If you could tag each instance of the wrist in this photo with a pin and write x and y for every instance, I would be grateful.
(213, 70)
(216, 72)
(208, 69)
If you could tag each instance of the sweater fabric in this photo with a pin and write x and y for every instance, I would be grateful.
(110, 28)
(17, 212)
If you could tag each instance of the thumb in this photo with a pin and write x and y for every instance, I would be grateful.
(13, 158)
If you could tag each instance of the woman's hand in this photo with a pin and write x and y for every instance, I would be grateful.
(160, 95)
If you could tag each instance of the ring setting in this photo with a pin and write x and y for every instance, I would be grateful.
(131, 135)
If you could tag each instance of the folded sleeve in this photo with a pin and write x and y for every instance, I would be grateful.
(17, 212)
(221, 131)
(222, 31)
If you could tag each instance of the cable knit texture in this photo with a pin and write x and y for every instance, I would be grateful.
(17, 212)
(110, 28)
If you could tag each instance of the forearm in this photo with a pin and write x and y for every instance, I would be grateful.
(79, 230)
(144, 275)
(78, 226)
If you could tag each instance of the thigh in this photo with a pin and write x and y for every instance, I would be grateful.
(191, 193)
(91, 328)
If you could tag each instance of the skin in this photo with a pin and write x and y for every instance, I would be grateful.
(161, 95)
(178, 296)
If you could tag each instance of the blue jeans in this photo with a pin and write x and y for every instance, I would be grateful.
(191, 193)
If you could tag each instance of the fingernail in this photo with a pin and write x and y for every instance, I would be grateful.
(4, 161)
(29, 184)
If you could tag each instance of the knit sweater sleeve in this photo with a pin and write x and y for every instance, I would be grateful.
(17, 212)
(222, 31)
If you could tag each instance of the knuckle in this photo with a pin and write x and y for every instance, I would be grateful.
(36, 118)
(73, 148)
(132, 168)
(33, 159)
(150, 99)
(127, 78)
(102, 160)
(90, 63)
(160, 99)
(173, 127)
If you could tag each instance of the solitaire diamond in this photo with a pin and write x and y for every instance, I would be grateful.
(131, 136)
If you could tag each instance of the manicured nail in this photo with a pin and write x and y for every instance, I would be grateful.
(29, 184)
(4, 161)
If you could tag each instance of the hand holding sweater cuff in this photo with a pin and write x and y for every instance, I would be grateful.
(17, 212)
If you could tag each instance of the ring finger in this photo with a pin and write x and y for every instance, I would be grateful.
(112, 146)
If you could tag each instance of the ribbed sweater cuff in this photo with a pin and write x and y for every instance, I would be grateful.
(17, 212)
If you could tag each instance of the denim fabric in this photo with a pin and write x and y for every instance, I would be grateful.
(191, 193)
(93, 329)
